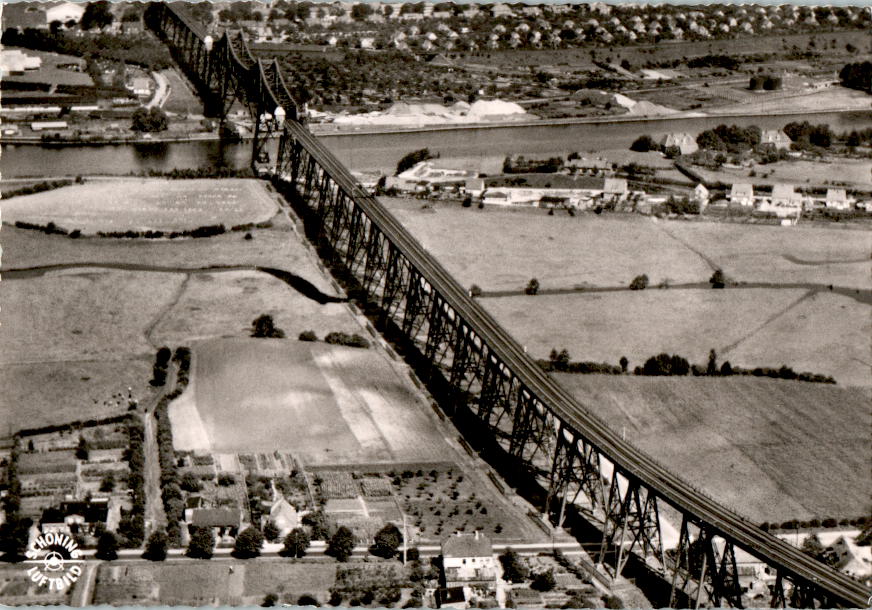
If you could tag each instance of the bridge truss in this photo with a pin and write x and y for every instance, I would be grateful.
(580, 466)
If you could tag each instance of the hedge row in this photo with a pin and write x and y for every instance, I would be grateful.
(340, 338)
(171, 493)
(49, 229)
(39, 187)
(200, 172)
(204, 231)
(132, 525)
(73, 425)
(829, 522)
(161, 362)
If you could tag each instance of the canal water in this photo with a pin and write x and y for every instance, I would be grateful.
(382, 151)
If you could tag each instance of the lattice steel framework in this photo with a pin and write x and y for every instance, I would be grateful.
(557, 443)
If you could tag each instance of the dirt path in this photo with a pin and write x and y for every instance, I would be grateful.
(84, 587)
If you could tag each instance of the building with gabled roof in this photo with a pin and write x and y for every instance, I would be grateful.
(468, 559)
(742, 194)
(776, 137)
(837, 199)
(684, 142)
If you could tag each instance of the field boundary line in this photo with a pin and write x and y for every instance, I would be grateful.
(727, 348)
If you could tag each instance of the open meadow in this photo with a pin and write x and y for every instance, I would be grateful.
(329, 404)
(855, 172)
(773, 450)
(144, 204)
(211, 583)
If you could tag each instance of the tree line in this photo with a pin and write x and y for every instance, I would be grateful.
(671, 365)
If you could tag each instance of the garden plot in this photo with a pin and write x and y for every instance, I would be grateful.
(145, 204)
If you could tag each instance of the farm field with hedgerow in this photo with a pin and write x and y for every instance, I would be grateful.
(771, 449)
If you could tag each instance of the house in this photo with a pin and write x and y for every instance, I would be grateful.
(65, 11)
(701, 195)
(140, 85)
(13, 62)
(224, 521)
(742, 194)
(785, 195)
(284, 515)
(22, 16)
(837, 199)
(685, 142)
(75, 517)
(615, 188)
(468, 559)
(475, 186)
(776, 137)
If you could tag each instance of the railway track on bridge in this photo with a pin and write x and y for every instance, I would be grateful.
(571, 436)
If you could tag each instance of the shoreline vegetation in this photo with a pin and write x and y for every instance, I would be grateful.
(332, 130)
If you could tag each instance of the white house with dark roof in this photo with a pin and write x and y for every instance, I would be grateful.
(784, 201)
(468, 559)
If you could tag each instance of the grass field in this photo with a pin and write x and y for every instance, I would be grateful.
(210, 583)
(181, 99)
(772, 449)
(822, 333)
(145, 204)
(328, 404)
(16, 589)
(801, 173)
(503, 249)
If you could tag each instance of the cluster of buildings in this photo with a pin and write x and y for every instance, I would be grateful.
(590, 192)
(785, 202)
(448, 27)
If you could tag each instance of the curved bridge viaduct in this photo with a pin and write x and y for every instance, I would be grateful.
(577, 464)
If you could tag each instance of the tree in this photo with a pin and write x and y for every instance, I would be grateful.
(307, 600)
(269, 600)
(107, 483)
(271, 531)
(14, 536)
(712, 368)
(248, 544)
(726, 369)
(151, 120)
(156, 548)
(643, 143)
(82, 449)
(360, 11)
(543, 581)
(812, 546)
(296, 543)
(190, 482)
(624, 364)
(640, 282)
(341, 544)
(264, 327)
(201, 544)
(387, 541)
(532, 287)
(317, 522)
(718, 280)
(513, 568)
(415, 157)
(107, 546)
(96, 15)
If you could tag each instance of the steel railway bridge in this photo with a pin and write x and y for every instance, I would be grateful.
(578, 464)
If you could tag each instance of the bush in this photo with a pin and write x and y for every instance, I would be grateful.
(269, 600)
(226, 479)
(340, 338)
(412, 159)
(718, 279)
(640, 282)
(532, 287)
(307, 600)
(263, 327)
(308, 335)
(664, 364)
(644, 143)
(543, 581)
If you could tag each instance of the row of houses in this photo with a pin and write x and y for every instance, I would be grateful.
(785, 201)
(686, 143)
(589, 192)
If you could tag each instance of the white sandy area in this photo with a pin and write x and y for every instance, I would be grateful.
(643, 108)
(189, 433)
(415, 115)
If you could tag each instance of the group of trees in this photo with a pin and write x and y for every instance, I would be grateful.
(161, 362)
(560, 362)
(132, 524)
(341, 338)
(412, 159)
(857, 76)
(767, 82)
(730, 138)
(264, 327)
(805, 135)
(149, 120)
(522, 165)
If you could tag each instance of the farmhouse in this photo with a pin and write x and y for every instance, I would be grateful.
(776, 137)
(837, 199)
(701, 195)
(742, 194)
(223, 521)
(468, 559)
(785, 201)
(685, 142)
(284, 515)
(74, 517)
